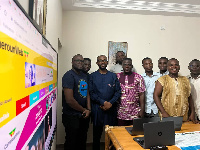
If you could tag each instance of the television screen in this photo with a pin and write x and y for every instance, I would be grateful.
(28, 82)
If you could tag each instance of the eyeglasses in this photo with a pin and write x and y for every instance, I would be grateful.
(102, 60)
(78, 60)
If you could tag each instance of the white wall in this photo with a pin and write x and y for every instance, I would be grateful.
(24, 4)
(54, 22)
(88, 33)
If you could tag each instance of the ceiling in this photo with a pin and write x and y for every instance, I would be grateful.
(188, 8)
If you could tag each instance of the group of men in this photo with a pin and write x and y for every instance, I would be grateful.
(117, 97)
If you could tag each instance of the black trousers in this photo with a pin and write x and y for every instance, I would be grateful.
(97, 132)
(76, 132)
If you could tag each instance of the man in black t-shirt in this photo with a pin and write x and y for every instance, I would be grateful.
(76, 105)
(87, 66)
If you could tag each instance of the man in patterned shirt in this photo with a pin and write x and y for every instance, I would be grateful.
(132, 104)
(172, 94)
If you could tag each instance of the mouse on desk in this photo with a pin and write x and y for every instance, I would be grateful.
(159, 148)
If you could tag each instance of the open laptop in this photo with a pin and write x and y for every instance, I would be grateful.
(177, 122)
(157, 134)
(137, 128)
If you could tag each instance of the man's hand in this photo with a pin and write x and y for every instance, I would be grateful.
(141, 114)
(86, 113)
(165, 114)
(106, 106)
(192, 118)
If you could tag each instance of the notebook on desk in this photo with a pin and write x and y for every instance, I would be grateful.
(137, 128)
(177, 122)
(157, 134)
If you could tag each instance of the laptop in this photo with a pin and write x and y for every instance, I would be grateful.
(157, 134)
(177, 122)
(137, 128)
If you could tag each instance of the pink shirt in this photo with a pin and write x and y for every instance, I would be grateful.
(131, 86)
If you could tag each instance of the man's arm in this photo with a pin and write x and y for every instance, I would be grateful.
(156, 96)
(88, 105)
(72, 102)
(192, 112)
(142, 105)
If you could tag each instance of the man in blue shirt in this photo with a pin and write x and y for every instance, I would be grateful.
(104, 91)
(149, 79)
(76, 105)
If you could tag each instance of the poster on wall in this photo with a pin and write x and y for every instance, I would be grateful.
(37, 12)
(28, 77)
(113, 48)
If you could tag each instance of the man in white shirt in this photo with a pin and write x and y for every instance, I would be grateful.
(117, 68)
(150, 78)
(194, 77)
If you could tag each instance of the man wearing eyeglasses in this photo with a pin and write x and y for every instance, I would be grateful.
(76, 105)
(105, 91)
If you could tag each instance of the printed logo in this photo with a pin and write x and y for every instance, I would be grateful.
(84, 85)
(159, 133)
(13, 135)
(12, 132)
(26, 53)
(83, 88)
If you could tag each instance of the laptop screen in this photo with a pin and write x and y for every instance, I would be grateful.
(177, 122)
(157, 134)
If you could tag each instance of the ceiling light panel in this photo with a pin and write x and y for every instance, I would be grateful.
(139, 5)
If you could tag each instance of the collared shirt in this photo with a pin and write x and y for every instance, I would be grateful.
(195, 92)
(175, 95)
(131, 86)
(165, 73)
(150, 85)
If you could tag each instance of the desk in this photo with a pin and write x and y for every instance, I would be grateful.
(122, 140)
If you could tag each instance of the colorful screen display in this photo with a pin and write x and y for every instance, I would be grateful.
(28, 82)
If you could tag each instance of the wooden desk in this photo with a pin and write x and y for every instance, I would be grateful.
(122, 140)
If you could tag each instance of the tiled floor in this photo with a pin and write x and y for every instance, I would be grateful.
(89, 146)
